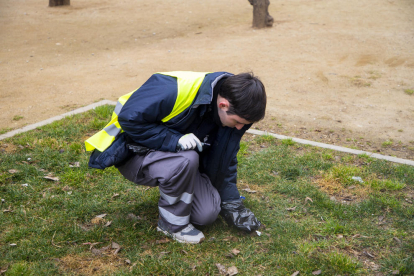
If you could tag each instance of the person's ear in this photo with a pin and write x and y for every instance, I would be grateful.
(223, 104)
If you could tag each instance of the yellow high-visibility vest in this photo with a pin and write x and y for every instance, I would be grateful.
(188, 84)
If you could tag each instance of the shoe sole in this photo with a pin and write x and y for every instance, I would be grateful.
(174, 238)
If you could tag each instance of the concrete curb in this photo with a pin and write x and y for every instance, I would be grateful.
(251, 131)
(56, 118)
(333, 147)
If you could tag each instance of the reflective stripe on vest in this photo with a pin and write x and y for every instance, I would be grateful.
(188, 84)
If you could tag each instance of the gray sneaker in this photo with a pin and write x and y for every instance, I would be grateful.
(187, 235)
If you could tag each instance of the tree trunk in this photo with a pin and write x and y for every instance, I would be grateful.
(53, 3)
(261, 16)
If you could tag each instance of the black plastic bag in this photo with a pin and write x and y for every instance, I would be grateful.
(235, 213)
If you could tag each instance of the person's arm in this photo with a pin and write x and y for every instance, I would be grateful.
(232, 209)
(140, 117)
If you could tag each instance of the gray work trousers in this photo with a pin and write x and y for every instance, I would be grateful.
(186, 195)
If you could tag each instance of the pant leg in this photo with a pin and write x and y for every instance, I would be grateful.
(175, 174)
(206, 202)
(186, 195)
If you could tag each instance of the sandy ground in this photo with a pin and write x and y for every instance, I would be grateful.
(335, 71)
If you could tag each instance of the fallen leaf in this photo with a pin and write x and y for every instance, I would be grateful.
(249, 191)
(4, 270)
(162, 254)
(231, 238)
(66, 188)
(13, 244)
(8, 210)
(369, 254)
(115, 245)
(115, 195)
(308, 199)
(105, 248)
(397, 239)
(101, 216)
(232, 271)
(108, 224)
(229, 255)
(127, 261)
(116, 251)
(164, 240)
(340, 236)
(83, 227)
(317, 272)
(133, 217)
(54, 178)
(221, 268)
(92, 245)
(96, 252)
(291, 209)
(97, 220)
(235, 251)
(395, 272)
(74, 165)
(13, 171)
(296, 273)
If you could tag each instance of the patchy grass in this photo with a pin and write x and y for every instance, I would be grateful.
(5, 130)
(409, 91)
(17, 118)
(322, 210)
(359, 82)
(387, 143)
(374, 75)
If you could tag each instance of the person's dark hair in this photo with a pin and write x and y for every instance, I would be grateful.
(246, 95)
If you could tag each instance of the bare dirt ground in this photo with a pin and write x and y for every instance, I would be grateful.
(341, 72)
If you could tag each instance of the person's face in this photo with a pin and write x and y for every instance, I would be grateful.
(228, 120)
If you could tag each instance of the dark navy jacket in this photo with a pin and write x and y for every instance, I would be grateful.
(140, 118)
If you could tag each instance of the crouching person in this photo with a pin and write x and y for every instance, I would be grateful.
(181, 131)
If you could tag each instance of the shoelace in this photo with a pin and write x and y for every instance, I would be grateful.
(188, 228)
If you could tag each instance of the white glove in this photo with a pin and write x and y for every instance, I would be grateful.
(189, 142)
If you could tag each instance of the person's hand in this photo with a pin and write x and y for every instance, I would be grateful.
(189, 142)
(235, 213)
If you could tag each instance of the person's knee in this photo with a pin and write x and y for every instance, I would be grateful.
(208, 212)
(208, 216)
(191, 158)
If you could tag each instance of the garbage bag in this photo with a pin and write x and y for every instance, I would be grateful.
(235, 213)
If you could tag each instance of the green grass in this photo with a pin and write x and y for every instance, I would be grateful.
(17, 118)
(5, 130)
(305, 228)
(387, 143)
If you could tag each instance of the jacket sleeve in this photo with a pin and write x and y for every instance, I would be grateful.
(228, 186)
(229, 192)
(140, 117)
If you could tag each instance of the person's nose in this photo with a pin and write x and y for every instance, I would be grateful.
(239, 126)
